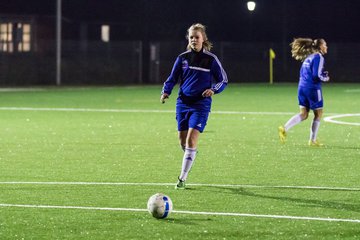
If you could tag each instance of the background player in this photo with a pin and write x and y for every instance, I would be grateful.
(312, 73)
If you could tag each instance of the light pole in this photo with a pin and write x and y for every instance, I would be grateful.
(58, 42)
(251, 7)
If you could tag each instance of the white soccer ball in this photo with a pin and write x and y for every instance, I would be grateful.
(159, 205)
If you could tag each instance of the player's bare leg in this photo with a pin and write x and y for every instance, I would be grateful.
(182, 139)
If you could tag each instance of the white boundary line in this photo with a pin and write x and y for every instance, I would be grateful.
(331, 119)
(136, 111)
(84, 110)
(21, 89)
(352, 90)
(187, 212)
(129, 110)
(326, 119)
(189, 184)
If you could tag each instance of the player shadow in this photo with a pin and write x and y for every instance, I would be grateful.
(188, 221)
(208, 131)
(311, 203)
(342, 147)
(189, 189)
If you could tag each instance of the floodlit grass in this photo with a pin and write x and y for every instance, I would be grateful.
(44, 138)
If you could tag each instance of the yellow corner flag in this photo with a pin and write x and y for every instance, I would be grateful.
(272, 53)
(271, 57)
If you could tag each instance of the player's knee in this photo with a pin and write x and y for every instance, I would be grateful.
(191, 143)
(317, 115)
(304, 116)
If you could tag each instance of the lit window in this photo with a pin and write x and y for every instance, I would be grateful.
(6, 37)
(26, 37)
(105, 33)
(15, 37)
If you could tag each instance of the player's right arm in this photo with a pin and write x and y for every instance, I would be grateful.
(172, 80)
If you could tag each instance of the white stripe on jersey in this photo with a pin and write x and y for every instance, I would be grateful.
(225, 79)
(185, 52)
(200, 69)
(320, 69)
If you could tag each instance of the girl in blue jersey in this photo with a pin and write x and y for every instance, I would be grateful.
(200, 76)
(312, 74)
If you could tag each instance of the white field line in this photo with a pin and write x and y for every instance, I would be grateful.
(326, 119)
(21, 89)
(136, 111)
(331, 119)
(352, 90)
(84, 110)
(187, 212)
(189, 184)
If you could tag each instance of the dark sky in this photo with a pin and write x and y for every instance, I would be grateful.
(227, 20)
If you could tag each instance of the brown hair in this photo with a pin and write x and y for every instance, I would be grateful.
(303, 47)
(202, 29)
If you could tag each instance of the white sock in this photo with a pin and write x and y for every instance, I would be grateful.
(314, 129)
(296, 119)
(188, 160)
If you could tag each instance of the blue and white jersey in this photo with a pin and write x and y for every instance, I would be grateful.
(197, 71)
(312, 72)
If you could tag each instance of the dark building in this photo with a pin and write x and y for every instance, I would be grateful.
(137, 41)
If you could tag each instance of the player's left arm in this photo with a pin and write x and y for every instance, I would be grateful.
(219, 75)
(318, 69)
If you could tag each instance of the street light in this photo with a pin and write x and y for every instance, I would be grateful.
(251, 5)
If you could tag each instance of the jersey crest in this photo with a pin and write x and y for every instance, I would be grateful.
(185, 64)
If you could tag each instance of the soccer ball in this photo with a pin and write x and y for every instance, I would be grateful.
(159, 205)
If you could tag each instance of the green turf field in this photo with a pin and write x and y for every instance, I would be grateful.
(81, 163)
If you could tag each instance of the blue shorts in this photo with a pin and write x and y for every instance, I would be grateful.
(310, 98)
(192, 119)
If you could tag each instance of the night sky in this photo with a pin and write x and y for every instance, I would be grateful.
(227, 20)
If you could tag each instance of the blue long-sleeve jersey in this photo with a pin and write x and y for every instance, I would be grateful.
(197, 71)
(312, 72)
